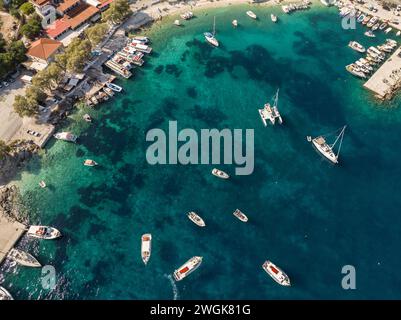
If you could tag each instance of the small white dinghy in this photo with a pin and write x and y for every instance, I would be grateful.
(251, 14)
(43, 232)
(196, 219)
(240, 215)
(220, 174)
(235, 23)
(146, 247)
(23, 258)
(5, 295)
(42, 184)
(177, 23)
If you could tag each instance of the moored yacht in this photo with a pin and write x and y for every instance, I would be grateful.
(23, 258)
(326, 149)
(146, 247)
(5, 295)
(66, 136)
(187, 15)
(240, 215)
(43, 232)
(356, 46)
(270, 112)
(210, 37)
(370, 34)
(196, 219)
(220, 174)
(187, 268)
(276, 273)
(355, 70)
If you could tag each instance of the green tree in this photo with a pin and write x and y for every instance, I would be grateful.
(61, 60)
(47, 79)
(15, 4)
(35, 93)
(25, 107)
(32, 27)
(78, 53)
(4, 149)
(3, 43)
(27, 8)
(118, 11)
(96, 33)
(17, 51)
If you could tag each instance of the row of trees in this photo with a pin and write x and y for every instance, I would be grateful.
(72, 60)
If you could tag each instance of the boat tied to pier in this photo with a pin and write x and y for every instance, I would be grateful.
(220, 174)
(66, 136)
(276, 273)
(114, 87)
(327, 150)
(43, 232)
(211, 37)
(370, 34)
(240, 215)
(146, 247)
(196, 219)
(5, 295)
(187, 268)
(187, 15)
(357, 46)
(23, 258)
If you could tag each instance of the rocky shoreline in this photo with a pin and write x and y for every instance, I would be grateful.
(10, 204)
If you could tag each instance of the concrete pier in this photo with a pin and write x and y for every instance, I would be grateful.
(387, 79)
(10, 232)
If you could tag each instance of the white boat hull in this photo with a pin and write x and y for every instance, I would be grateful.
(49, 234)
(146, 247)
(187, 268)
(327, 154)
(276, 273)
(5, 295)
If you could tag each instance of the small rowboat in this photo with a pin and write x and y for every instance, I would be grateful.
(240, 215)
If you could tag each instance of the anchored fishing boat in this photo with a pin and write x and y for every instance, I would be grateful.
(196, 219)
(146, 247)
(220, 174)
(276, 273)
(23, 258)
(240, 215)
(327, 150)
(187, 268)
(43, 232)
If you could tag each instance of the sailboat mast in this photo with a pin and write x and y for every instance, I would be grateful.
(341, 141)
(276, 99)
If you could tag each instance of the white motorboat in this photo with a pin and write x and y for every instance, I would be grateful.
(251, 14)
(42, 184)
(66, 136)
(23, 258)
(177, 23)
(355, 70)
(356, 46)
(235, 23)
(240, 215)
(90, 163)
(146, 247)
(187, 268)
(187, 15)
(220, 174)
(43, 232)
(273, 17)
(143, 39)
(87, 117)
(327, 150)
(5, 295)
(196, 219)
(276, 273)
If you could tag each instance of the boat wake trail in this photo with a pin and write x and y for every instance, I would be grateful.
(174, 286)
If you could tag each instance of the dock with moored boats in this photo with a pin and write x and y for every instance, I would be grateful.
(387, 79)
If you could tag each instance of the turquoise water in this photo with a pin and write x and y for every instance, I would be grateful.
(306, 215)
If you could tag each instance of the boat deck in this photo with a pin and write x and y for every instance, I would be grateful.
(385, 81)
(10, 233)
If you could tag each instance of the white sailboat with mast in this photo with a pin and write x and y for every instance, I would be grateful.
(270, 112)
(210, 37)
(327, 150)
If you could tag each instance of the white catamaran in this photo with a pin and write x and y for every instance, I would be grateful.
(327, 150)
(210, 37)
(271, 112)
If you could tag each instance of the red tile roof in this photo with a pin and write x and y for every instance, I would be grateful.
(104, 3)
(66, 4)
(43, 48)
(58, 27)
(84, 13)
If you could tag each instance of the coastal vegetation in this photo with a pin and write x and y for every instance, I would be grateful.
(119, 10)
(11, 55)
(27, 8)
(4, 149)
(32, 27)
(96, 33)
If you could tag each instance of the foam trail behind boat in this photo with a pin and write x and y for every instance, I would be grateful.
(174, 286)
